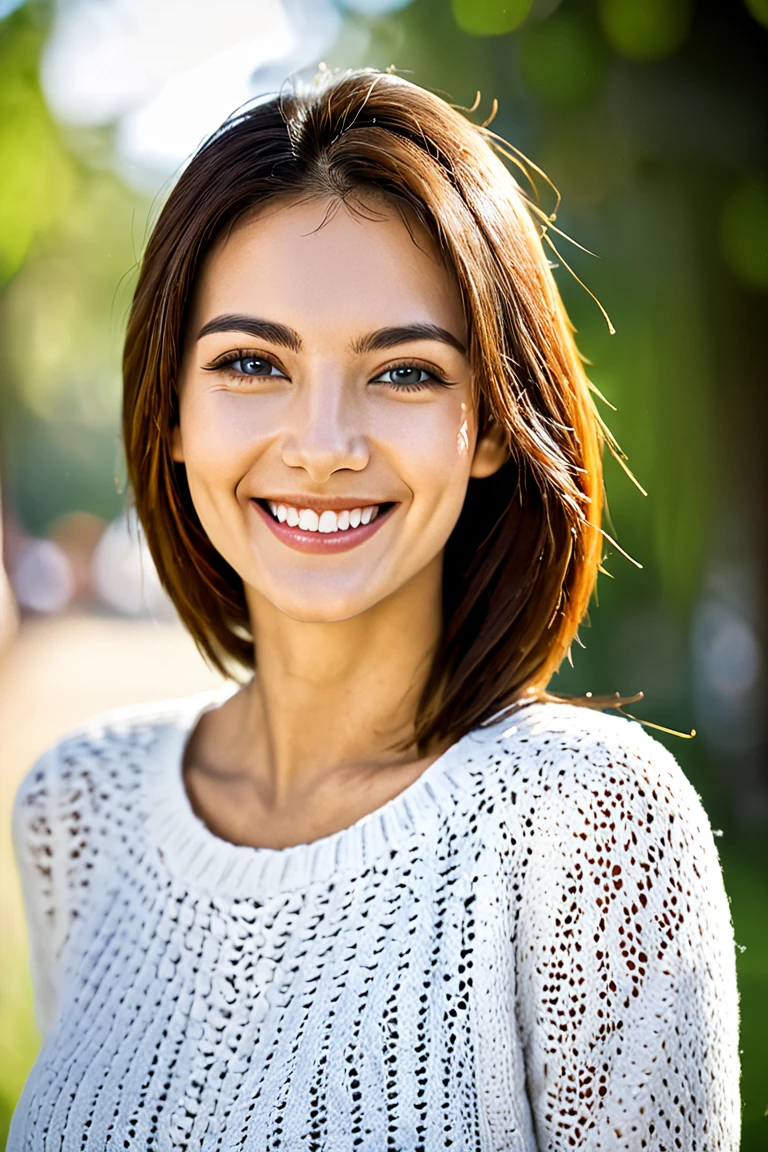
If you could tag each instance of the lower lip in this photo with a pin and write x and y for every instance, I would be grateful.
(322, 542)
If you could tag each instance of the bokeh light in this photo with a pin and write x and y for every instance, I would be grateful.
(490, 17)
(744, 232)
(758, 9)
(124, 576)
(646, 29)
(563, 60)
(42, 577)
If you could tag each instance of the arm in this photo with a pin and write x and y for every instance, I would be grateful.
(627, 982)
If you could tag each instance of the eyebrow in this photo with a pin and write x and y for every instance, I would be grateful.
(377, 341)
(260, 329)
(404, 334)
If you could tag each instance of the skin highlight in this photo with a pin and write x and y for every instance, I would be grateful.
(301, 382)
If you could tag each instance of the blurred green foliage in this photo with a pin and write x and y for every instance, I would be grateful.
(744, 232)
(490, 17)
(647, 31)
(67, 249)
(647, 117)
(18, 1037)
(561, 60)
(37, 185)
(759, 9)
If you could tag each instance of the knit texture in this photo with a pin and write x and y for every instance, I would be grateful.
(529, 948)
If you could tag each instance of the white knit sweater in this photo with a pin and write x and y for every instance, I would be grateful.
(530, 948)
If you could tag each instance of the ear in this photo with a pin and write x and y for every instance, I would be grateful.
(491, 451)
(177, 446)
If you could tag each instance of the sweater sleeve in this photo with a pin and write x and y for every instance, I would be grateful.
(628, 1005)
(38, 851)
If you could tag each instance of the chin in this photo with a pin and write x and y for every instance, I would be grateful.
(320, 606)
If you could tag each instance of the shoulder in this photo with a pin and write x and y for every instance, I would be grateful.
(556, 736)
(594, 805)
(99, 756)
(562, 762)
(623, 944)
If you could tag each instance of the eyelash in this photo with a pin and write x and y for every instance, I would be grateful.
(224, 362)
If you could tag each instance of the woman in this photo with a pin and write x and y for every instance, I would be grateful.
(387, 893)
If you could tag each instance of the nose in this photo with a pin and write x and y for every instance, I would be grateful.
(325, 436)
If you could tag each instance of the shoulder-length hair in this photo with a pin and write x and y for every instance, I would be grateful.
(522, 561)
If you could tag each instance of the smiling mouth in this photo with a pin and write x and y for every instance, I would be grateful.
(325, 521)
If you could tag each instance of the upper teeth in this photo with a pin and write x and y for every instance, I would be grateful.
(326, 521)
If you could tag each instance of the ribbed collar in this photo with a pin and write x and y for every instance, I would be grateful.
(195, 856)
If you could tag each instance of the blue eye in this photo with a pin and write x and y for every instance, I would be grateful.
(407, 376)
(253, 366)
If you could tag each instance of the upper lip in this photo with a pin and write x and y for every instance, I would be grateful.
(324, 503)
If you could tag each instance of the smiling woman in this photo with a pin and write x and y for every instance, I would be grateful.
(387, 892)
(374, 150)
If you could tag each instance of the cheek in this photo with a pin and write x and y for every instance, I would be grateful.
(221, 437)
(434, 447)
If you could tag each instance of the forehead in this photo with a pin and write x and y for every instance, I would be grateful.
(324, 265)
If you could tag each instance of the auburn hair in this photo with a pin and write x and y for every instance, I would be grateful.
(522, 561)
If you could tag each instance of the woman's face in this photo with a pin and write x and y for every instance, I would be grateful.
(326, 417)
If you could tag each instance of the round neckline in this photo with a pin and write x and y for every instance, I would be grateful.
(197, 856)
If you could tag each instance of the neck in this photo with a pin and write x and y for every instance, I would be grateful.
(330, 697)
